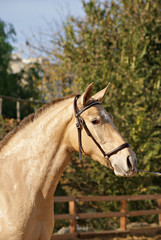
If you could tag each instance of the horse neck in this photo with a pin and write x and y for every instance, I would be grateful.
(41, 148)
(57, 149)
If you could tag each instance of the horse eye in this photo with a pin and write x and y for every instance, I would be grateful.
(95, 122)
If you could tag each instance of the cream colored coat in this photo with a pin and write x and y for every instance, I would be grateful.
(33, 157)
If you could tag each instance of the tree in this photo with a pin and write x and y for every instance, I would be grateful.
(24, 84)
(7, 83)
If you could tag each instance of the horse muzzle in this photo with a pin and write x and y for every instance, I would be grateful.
(125, 168)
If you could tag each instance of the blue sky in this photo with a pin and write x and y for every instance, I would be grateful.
(33, 14)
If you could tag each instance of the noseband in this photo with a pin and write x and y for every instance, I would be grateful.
(80, 124)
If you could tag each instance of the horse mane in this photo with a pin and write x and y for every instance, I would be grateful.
(30, 118)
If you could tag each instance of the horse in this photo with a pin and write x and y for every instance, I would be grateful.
(34, 155)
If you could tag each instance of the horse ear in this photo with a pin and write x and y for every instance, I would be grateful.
(84, 98)
(101, 94)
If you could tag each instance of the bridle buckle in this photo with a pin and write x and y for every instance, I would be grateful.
(106, 157)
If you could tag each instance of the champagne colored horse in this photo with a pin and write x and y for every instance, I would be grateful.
(34, 156)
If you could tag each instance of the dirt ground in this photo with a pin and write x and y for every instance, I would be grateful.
(158, 237)
(139, 238)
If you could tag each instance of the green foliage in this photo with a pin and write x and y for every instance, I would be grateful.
(6, 33)
(8, 84)
(6, 125)
(24, 84)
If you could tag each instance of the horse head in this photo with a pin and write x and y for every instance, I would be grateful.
(97, 135)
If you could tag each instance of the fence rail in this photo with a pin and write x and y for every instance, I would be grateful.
(123, 214)
(18, 102)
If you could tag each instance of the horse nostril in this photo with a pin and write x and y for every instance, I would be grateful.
(129, 163)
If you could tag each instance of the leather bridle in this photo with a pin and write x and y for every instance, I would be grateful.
(80, 124)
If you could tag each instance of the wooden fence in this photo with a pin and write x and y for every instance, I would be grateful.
(123, 214)
(18, 104)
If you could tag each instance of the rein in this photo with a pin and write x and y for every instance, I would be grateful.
(143, 171)
(80, 124)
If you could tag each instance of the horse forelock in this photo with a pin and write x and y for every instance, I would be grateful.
(30, 118)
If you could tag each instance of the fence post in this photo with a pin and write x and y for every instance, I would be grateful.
(73, 211)
(159, 215)
(123, 219)
(1, 106)
(18, 110)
